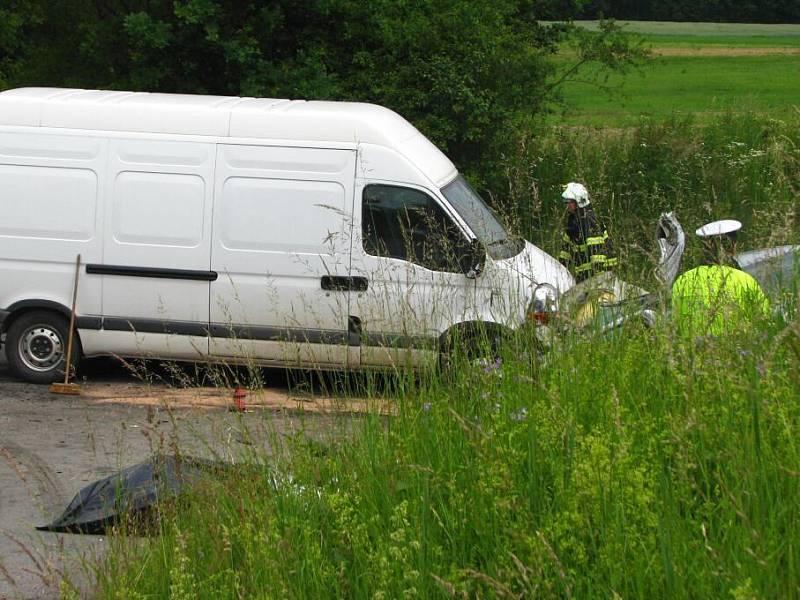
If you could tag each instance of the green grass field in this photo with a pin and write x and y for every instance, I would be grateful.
(728, 40)
(701, 69)
(705, 30)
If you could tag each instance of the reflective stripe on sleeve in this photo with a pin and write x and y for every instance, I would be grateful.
(597, 261)
(597, 239)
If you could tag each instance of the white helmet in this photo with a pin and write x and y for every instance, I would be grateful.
(577, 192)
(724, 227)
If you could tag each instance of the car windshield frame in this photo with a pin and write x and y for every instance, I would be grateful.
(481, 219)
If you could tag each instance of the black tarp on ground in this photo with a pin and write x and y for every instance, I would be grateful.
(130, 493)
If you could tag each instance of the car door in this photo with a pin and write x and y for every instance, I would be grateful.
(406, 249)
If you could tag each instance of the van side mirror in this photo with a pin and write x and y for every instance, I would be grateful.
(473, 260)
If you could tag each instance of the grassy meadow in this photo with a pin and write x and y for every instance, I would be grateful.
(633, 465)
(703, 34)
(637, 466)
(699, 69)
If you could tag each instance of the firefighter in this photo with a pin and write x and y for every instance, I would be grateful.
(586, 248)
(717, 297)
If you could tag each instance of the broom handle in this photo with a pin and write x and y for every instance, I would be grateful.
(72, 318)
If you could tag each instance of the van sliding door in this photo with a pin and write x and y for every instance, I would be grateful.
(281, 246)
(155, 267)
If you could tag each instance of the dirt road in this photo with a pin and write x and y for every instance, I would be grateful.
(51, 446)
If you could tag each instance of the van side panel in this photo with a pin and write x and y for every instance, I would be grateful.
(282, 220)
(50, 186)
(157, 246)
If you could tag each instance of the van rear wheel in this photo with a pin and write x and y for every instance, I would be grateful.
(36, 346)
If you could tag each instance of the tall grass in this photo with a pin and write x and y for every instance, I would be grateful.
(745, 167)
(637, 464)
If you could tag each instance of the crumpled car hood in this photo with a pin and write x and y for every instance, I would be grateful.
(774, 268)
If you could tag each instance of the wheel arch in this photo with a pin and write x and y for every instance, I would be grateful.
(21, 307)
(471, 330)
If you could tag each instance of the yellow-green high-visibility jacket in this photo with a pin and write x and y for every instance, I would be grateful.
(585, 246)
(715, 300)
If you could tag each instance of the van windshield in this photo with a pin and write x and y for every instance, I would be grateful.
(471, 207)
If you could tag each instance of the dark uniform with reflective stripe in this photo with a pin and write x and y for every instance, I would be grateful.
(586, 248)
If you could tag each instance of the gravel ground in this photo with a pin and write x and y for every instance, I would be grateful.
(51, 446)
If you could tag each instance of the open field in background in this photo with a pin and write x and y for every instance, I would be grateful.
(703, 86)
(702, 69)
(743, 34)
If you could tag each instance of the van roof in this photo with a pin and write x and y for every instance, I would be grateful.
(222, 116)
(225, 116)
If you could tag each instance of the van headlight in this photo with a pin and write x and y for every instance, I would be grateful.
(544, 303)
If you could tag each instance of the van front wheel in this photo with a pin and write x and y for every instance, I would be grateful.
(36, 346)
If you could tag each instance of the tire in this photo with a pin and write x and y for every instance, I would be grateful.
(470, 345)
(36, 345)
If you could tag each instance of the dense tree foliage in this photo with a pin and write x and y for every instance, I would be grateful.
(466, 72)
(17, 17)
(724, 11)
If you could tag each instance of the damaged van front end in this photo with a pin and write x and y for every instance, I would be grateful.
(605, 302)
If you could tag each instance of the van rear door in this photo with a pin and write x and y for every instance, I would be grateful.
(282, 228)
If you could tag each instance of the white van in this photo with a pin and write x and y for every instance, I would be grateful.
(256, 230)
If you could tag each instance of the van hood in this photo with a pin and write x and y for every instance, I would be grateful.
(537, 266)
(513, 280)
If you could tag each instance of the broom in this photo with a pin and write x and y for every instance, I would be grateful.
(67, 387)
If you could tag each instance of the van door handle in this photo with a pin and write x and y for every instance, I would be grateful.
(337, 283)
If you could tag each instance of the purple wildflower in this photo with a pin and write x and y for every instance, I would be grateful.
(492, 367)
